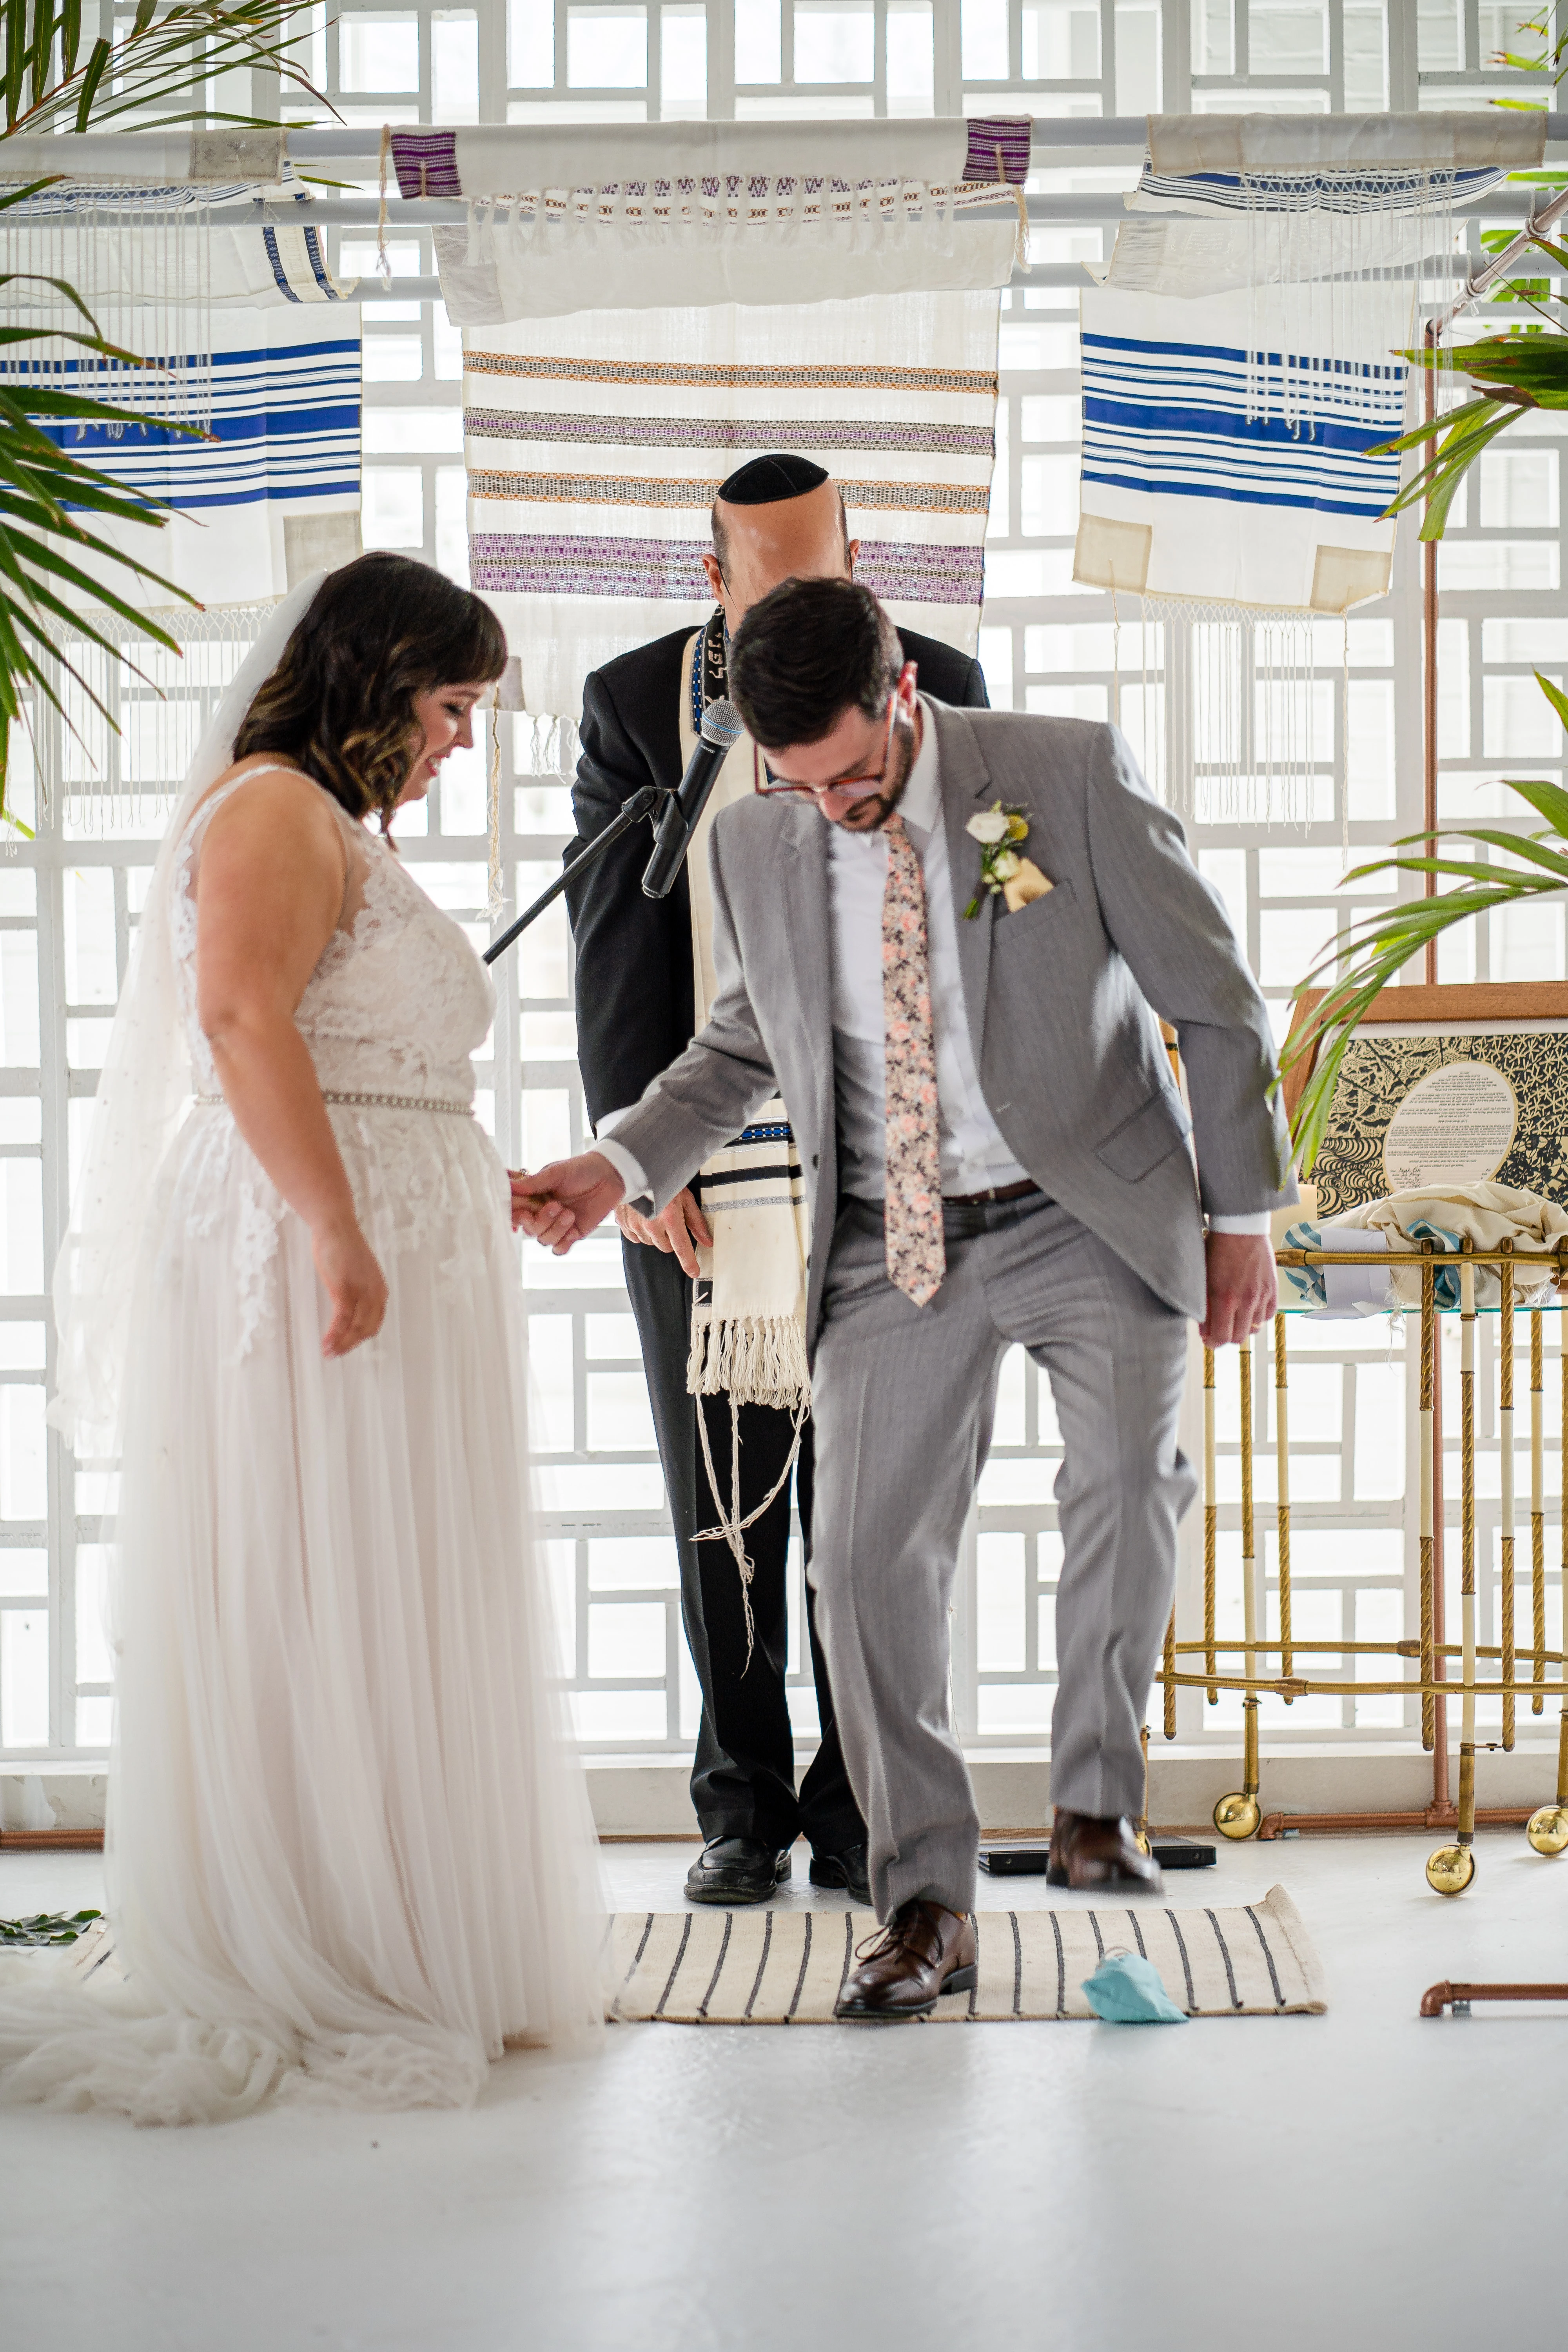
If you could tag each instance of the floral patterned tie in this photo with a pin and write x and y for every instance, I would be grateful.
(916, 1256)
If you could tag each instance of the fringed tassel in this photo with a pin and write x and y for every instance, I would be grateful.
(755, 1359)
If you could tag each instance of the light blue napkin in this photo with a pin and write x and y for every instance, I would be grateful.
(1126, 1990)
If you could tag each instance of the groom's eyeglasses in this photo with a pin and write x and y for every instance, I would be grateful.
(764, 782)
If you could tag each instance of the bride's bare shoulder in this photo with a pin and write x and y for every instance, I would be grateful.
(276, 794)
(282, 821)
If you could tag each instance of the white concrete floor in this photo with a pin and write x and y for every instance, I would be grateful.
(1364, 2180)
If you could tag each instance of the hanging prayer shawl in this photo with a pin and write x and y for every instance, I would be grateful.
(275, 492)
(1228, 461)
(128, 249)
(596, 445)
(748, 1324)
(1240, 376)
(648, 212)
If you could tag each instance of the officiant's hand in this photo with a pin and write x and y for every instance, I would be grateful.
(564, 1202)
(675, 1228)
(1243, 1288)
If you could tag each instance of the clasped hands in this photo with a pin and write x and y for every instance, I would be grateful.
(562, 1205)
(564, 1202)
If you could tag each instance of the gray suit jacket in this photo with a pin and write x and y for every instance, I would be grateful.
(1058, 999)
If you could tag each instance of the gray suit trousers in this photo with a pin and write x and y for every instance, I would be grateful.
(903, 1399)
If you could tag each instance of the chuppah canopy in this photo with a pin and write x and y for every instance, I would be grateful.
(626, 348)
(643, 216)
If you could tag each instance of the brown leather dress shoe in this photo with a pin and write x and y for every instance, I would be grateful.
(1089, 1853)
(923, 1951)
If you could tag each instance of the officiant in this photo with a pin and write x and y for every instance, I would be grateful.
(717, 1280)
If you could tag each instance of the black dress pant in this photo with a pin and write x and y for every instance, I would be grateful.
(742, 1782)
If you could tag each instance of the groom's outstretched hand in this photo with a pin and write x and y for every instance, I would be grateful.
(564, 1202)
(1243, 1288)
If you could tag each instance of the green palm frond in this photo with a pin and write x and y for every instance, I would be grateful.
(1368, 954)
(1526, 369)
(167, 57)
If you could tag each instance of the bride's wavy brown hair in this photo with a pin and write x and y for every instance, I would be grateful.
(340, 701)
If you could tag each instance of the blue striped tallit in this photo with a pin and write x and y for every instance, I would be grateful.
(285, 422)
(1348, 192)
(275, 490)
(1166, 416)
(1229, 449)
(81, 230)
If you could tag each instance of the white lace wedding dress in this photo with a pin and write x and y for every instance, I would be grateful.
(349, 1854)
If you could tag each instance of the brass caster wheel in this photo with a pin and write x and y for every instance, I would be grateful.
(1141, 1840)
(1547, 1829)
(1450, 1869)
(1237, 1815)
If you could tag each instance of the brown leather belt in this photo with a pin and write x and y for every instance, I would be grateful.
(979, 1200)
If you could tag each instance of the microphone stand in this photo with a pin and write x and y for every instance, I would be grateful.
(642, 804)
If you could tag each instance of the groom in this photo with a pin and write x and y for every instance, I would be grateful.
(993, 1152)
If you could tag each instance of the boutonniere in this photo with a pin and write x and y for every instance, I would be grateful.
(998, 830)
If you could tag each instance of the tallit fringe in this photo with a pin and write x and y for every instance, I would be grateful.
(755, 1359)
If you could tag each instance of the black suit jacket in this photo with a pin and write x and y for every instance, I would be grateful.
(635, 1004)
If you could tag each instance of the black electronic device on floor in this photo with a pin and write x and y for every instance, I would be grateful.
(1028, 1857)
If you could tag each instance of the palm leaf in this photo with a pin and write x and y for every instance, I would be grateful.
(1367, 954)
(163, 60)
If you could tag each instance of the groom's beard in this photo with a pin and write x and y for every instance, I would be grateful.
(871, 814)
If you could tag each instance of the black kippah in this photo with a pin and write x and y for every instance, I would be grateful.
(765, 479)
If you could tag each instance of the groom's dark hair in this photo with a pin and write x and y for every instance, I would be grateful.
(808, 653)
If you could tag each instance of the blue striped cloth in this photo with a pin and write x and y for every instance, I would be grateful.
(285, 420)
(1161, 415)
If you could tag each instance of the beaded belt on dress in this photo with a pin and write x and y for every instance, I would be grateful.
(380, 1102)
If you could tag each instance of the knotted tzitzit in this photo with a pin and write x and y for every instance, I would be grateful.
(916, 1256)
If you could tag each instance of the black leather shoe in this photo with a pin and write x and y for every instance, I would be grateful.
(847, 1868)
(736, 1870)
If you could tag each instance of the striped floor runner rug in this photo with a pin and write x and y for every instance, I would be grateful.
(784, 1966)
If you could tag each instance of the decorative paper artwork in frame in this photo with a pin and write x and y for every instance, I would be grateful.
(1448, 1085)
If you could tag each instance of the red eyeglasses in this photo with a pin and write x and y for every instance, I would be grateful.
(766, 783)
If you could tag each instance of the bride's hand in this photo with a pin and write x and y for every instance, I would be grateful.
(353, 1282)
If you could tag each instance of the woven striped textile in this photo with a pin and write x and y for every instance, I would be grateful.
(783, 1966)
(981, 148)
(116, 243)
(1228, 450)
(597, 443)
(283, 462)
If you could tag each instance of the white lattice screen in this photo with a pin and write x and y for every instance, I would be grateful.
(68, 900)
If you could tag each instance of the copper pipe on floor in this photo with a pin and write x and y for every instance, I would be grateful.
(1439, 1996)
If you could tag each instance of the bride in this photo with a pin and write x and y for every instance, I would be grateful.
(348, 1856)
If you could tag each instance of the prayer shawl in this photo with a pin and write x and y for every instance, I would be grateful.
(597, 443)
(748, 1321)
(1242, 378)
(1245, 356)
(275, 492)
(1486, 1215)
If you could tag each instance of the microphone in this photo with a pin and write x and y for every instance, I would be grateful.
(723, 728)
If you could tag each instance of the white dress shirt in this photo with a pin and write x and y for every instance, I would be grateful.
(974, 1158)
(974, 1155)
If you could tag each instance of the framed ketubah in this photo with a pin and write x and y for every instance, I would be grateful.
(1447, 1086)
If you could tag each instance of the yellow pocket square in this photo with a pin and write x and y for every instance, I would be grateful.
(1025, 887)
